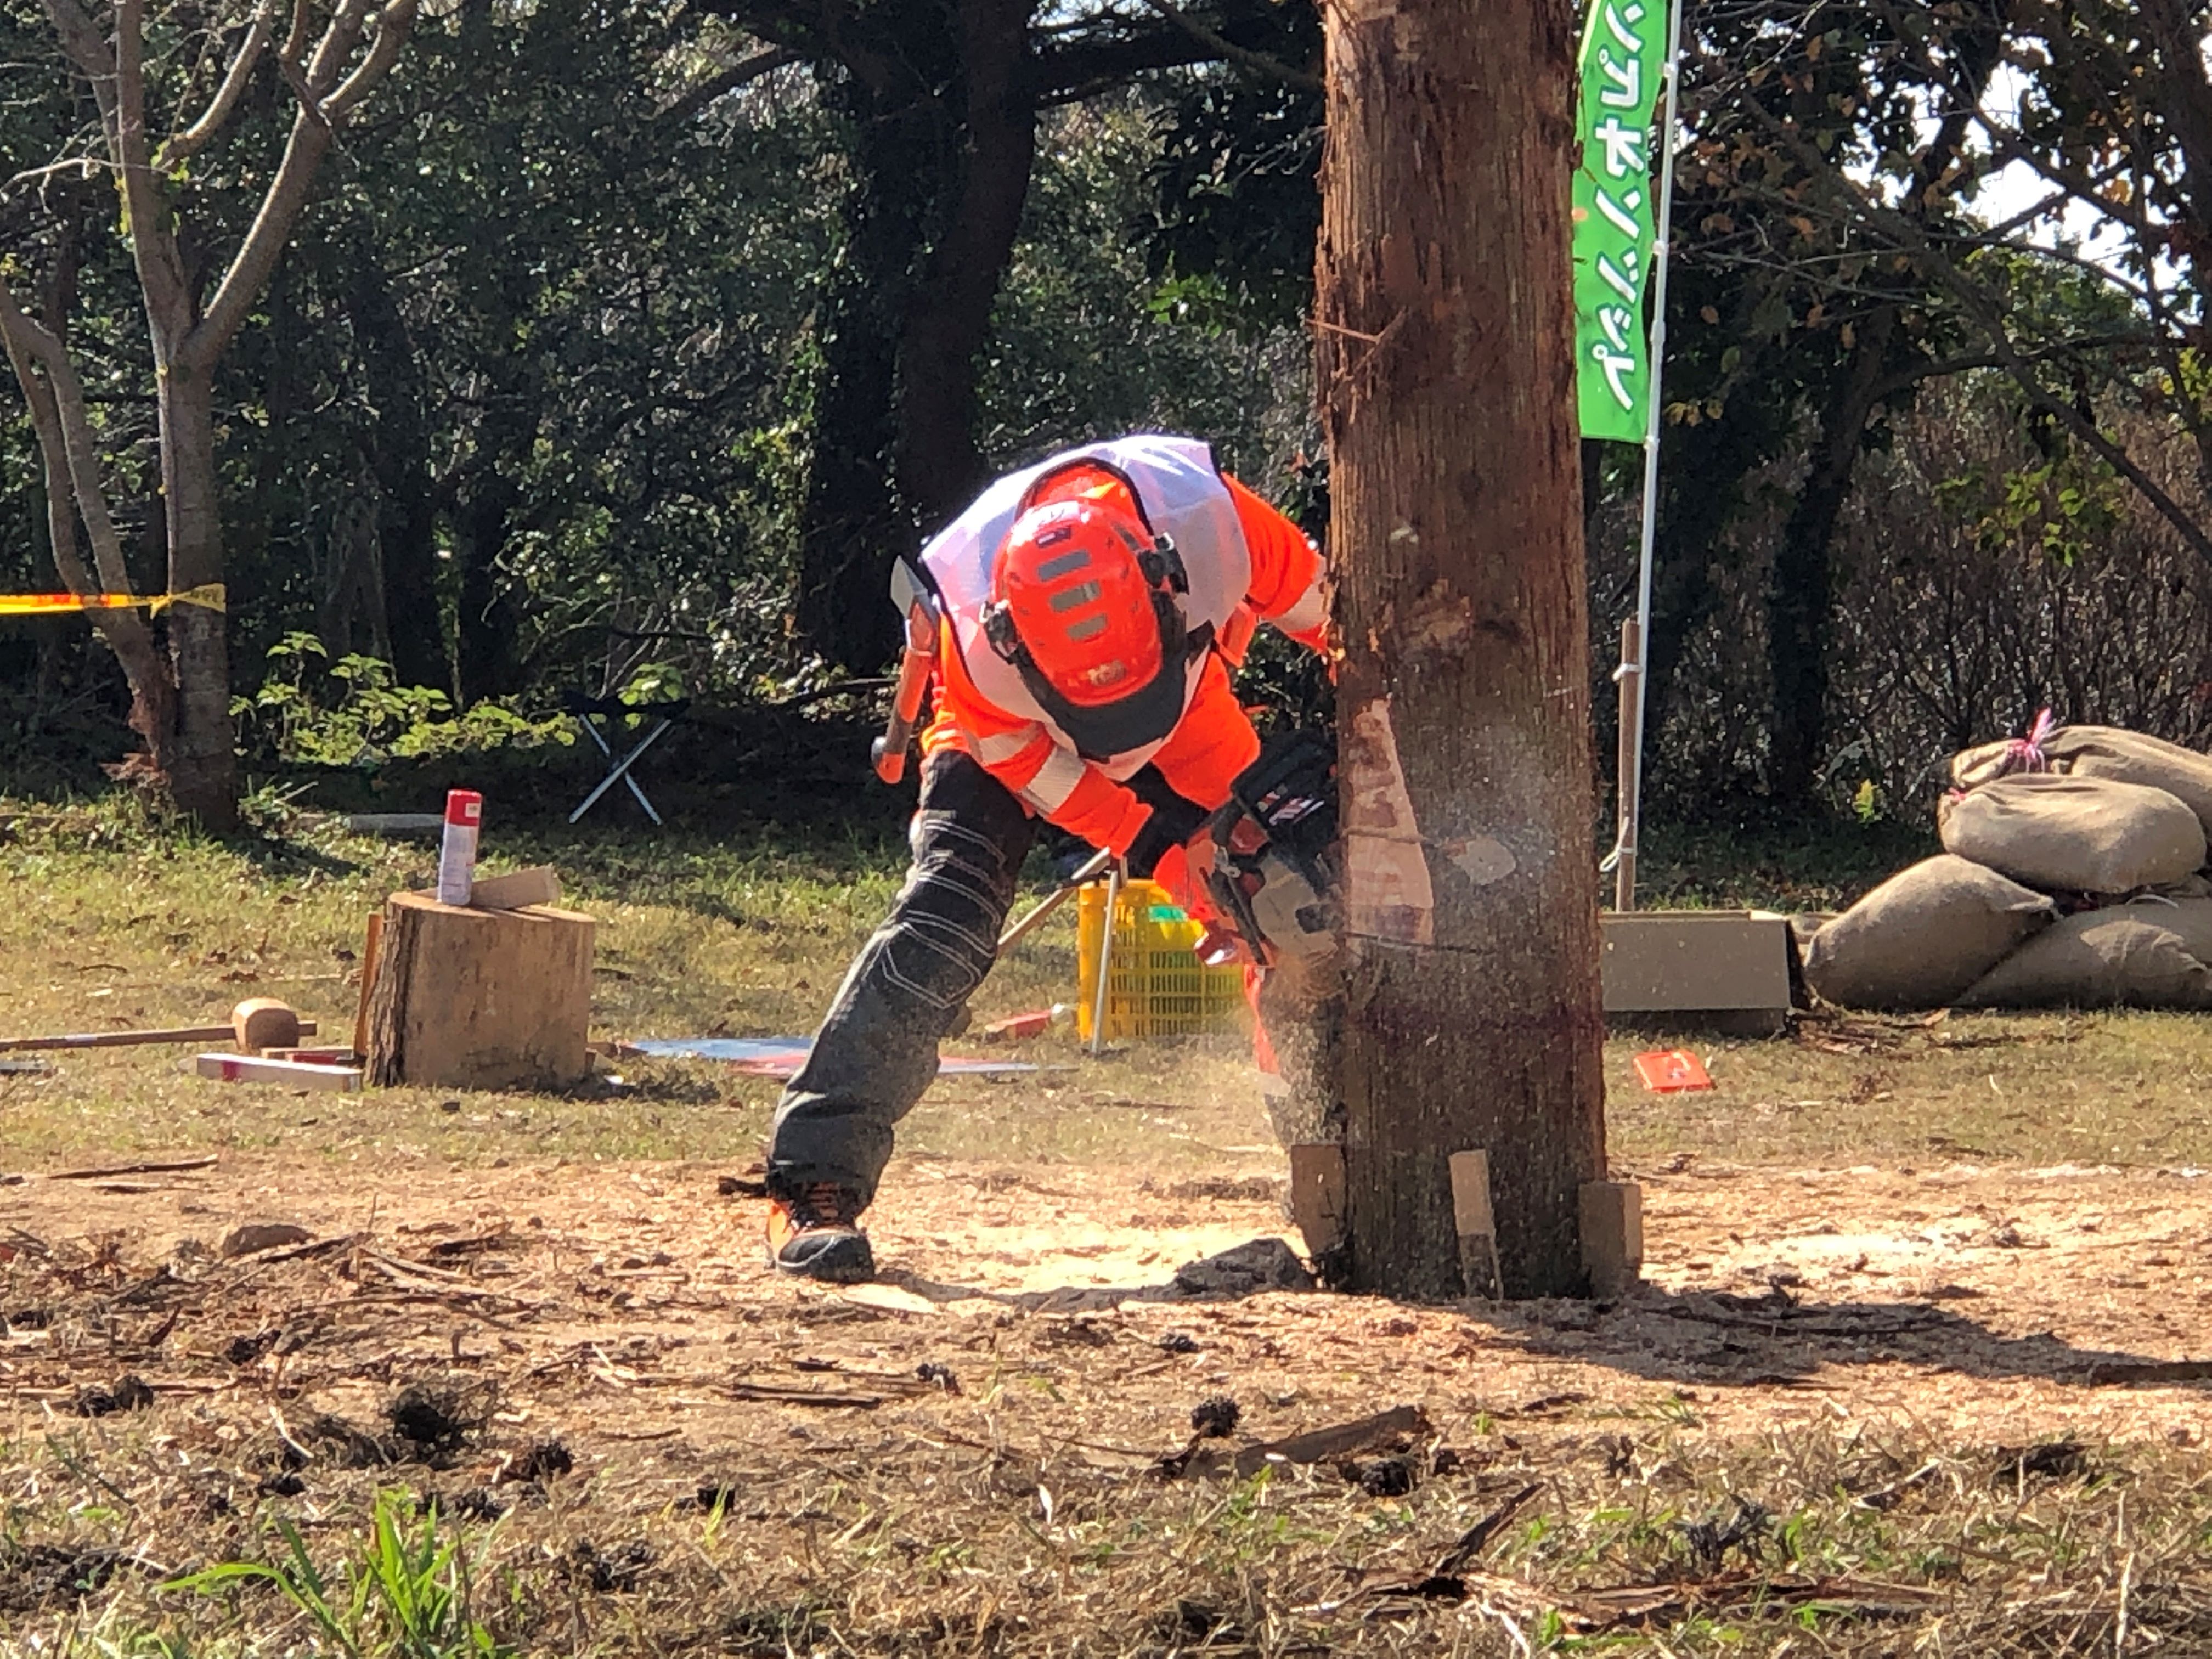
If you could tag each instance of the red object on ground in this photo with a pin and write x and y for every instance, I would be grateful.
(1015, 1027)
(1670, 1070)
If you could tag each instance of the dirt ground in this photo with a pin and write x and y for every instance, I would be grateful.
(1919, 1365)
(1970, 1298)
(1028, 1333)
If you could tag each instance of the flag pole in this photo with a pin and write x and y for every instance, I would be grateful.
(1636, 653)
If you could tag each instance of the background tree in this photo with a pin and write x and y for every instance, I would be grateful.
(940, 99)
(181, 707)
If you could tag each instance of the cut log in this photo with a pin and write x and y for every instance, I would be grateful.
(367, 983)
(470, 998)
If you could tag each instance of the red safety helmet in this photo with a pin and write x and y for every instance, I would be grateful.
(1085, 602)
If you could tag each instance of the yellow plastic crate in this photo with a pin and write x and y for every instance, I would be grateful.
(1155, 986)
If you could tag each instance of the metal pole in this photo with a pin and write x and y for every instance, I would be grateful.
(620, 775)
(1632, 782)
(1630, 677)
(1105, 956)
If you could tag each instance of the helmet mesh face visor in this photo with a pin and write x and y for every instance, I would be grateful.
(1079, 601)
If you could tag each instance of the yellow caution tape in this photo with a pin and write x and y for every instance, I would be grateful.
(209, 598)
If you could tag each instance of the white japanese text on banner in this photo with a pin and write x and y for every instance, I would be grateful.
(1624, 58)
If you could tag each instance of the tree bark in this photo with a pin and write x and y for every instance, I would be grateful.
(1446, 366)
(1800, 591)
(399, 454)
(202, 761)
(940, 469)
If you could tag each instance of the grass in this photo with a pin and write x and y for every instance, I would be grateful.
(1005, 1521)
(1643, 1537)
(748, 935)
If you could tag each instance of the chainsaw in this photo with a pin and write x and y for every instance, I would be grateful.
(1274, 855)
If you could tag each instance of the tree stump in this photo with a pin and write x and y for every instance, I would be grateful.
(469, 998)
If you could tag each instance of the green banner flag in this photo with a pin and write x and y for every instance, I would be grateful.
(1624, 58)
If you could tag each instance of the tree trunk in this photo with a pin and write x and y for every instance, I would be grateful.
(944, 118)
(1801, 588)
(940, 468)
(399, 454)
(904, 160)
(201, 762)
(1702, 469)
(490, 663)
(1446, 370)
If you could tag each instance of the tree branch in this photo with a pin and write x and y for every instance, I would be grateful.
(726, 81)
(337, 45)
(310, 141)
(1066, 74)
(81, 42)
(295, 38)
(179, 145)
(1258, 62)
(56, 396)
(393, 25)
(153, 234)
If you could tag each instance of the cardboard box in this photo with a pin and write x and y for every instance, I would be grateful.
(1725, 969)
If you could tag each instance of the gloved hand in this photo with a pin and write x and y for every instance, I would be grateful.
(1174, 821)
(1067, 852)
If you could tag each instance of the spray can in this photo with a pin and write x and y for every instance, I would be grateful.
(456, 856)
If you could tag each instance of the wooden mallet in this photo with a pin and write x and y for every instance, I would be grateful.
(256, 1023)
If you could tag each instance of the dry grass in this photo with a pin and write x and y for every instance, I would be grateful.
(1842, 1370)
(1691, 1471)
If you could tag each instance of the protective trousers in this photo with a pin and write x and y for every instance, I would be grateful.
(908, 989)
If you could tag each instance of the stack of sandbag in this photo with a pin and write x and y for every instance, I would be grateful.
(2070, 877)
(2095, 751)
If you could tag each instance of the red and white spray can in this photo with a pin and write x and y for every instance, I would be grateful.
(456, 856)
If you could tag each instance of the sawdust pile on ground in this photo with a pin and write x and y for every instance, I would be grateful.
(1837, 1399)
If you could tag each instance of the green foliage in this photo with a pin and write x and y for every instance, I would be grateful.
(1089, 343)
(374, 718)
(1237, 203)
(408, 1596)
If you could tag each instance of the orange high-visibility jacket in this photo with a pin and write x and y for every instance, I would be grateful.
(1279, 575)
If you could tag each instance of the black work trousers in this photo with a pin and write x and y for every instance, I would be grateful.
(908, 989)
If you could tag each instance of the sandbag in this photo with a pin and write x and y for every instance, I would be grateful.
(2100, 751)
(2189, 920)
(2074, 835)
(1922, 937)
(2115, 959)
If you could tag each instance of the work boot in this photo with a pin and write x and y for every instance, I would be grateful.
(814, 1232)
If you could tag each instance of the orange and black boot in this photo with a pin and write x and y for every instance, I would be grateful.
(814, 1231)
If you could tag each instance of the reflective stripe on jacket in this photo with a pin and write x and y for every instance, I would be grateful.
(1245, 561)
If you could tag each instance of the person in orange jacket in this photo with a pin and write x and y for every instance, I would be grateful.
(1093, 606)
